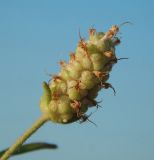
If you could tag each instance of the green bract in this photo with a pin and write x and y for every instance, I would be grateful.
(70, 93)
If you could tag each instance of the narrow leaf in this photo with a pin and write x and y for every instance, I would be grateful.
(31, 147)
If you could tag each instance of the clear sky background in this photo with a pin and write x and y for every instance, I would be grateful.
(35, 35)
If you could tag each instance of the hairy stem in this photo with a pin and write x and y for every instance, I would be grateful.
(24, 137)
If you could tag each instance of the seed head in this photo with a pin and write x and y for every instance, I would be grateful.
(73, 91)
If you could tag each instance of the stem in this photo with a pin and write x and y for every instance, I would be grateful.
(24, 137)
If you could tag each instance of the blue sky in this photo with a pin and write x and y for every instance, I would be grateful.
(35, 35)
